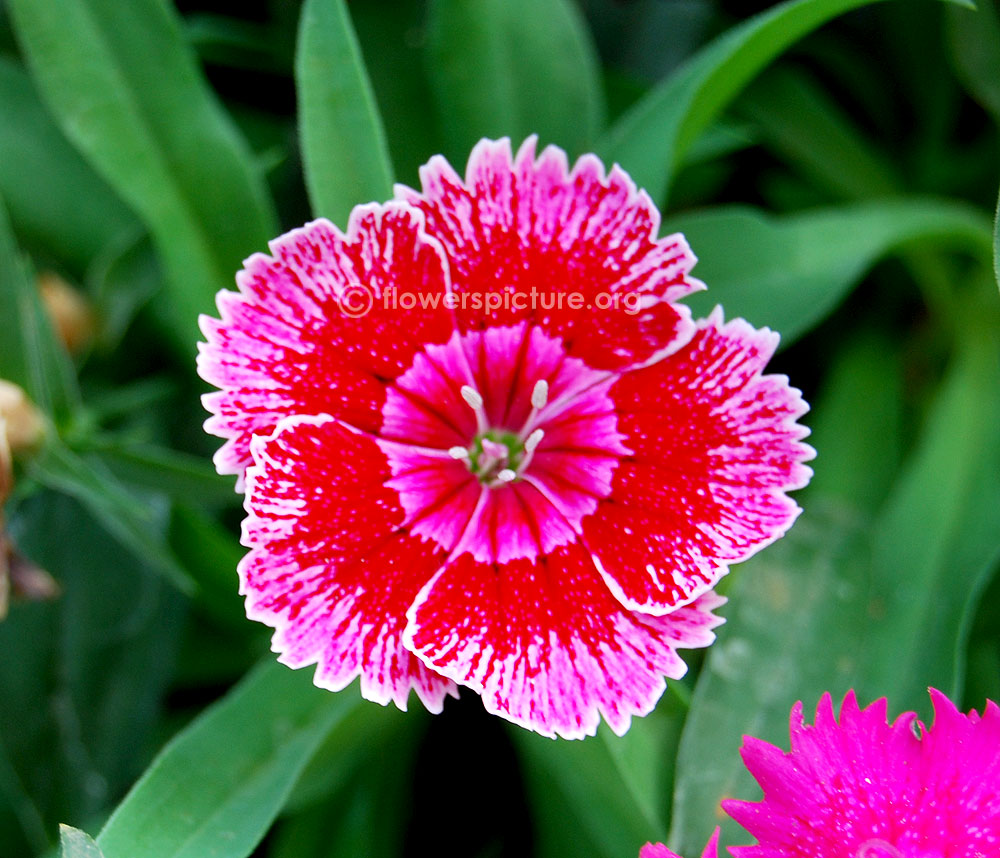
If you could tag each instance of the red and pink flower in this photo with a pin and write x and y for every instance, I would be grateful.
(483, 444)
(864, 788)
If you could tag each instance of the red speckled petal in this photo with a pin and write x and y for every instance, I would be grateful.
(715, 449)
(530, 233)
(331, 567)
(289, 341)
(547, 646)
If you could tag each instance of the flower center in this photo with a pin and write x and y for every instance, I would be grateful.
(497, 456)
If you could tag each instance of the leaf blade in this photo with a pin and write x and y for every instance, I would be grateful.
(511, 68)
(344, 149)
(124, 86)
(280, 719)
(650, 140)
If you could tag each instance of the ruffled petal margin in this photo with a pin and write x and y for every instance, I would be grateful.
(312, 329)
(546, 645)
(715, 449)
(528, 233)
(331, 567)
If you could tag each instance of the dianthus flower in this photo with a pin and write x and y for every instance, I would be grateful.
(482, 443)
(864, 788)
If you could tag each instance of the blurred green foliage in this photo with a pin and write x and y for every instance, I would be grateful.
(835, 169)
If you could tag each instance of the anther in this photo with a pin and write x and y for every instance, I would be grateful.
(471, 396)
(540, 394)
(458, 452)
(533, 440)
(475, 402)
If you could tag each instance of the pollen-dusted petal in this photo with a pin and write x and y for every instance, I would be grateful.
(658, 850)
(715, 449)
(574, 250)
(312, 329)
(865, 787)
(547, 646)
(331, 567)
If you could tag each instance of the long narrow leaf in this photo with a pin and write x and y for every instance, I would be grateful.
(31, 356)
(126, 90)
(44, 179)
(650, 140)
(138, 527)
(513, 68)
(788, 272)
(77, 844)
(217, 787)
(343, 142)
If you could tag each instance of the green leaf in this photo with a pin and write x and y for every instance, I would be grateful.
(43, 180)
(80, 672)
(31, 355)
(794, 117)
(650, 140)
(789, 272)
(396, 67)
(858, 424)
(795, 617)
(77, 844)
(607, 791)
(343, 143)
(367, 814)
(140, 527)
(513, 68)
(218, 785)
(123, 85)
(974, 44)
(936, 542)
(180, 476)
(996, 244)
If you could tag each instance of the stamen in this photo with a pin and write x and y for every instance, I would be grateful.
(540, 395)
(529, 449)
(533, 440)
(475, 402)
(506, 475)
(458, 452)
(471, 395)
(539, 399)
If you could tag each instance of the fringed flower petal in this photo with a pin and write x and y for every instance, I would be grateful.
(309, 332)
(715, 447)
(574, 251)
(547, 646)
(861, 787)
(331, 566)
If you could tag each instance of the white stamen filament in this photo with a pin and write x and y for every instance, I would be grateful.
(471, 395)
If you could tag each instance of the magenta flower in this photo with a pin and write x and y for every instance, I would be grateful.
(658, 850)
(482, 443)
(863, 788)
